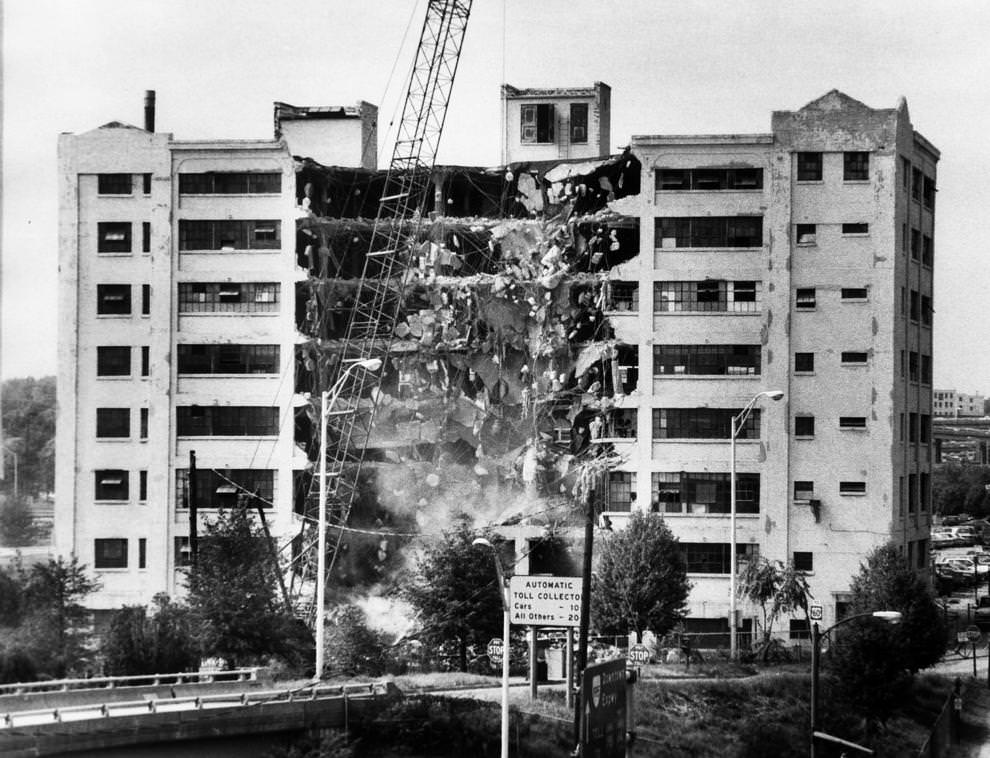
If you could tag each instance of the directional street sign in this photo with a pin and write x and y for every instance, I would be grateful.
(545, 600)
(603, 708)
(973, 633)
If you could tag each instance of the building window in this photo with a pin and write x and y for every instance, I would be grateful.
(926, 369)
(912, 427)
(579, 123)
(707, 296)
(905, 174)
(142, 553)
(804, 363)
(804, 426)
(915, 305)
(809, 167)
(704, 493)
(714, 557)
(113, 361)
(925, 432)
(804, 299)
(143, 417)
(856, 228)
(145, 237)
(855, 166)
(915, 245)
(146, 184)
(113, 237)
(227, 488)
(855, 293)
(623, 296)
(904, 238)
(114, 184)
(913, 366)
(702, 424)
(708, 231)
(804, 561)
(916, 181)
(804, 490)
(145, 360)
(229, 235)
(183, 553)
(852, 488)
(113, 422)
(246, 297)
(228, 359)
(706, 360)
(113, 299)
(111, 484)
(709, 179)
(142, 486)
(620, 423)
(927, 250)
(145, 299)
(231, 183)
(854, 358)
(926, 490)
(537, 123)
(226, 421)
(928, 193)
(621, 491)
(110, 553)
(847, 423)
(805, 234)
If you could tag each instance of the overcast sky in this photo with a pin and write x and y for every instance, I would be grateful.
(719, 66)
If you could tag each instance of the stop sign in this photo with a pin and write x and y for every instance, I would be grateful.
(639, 654)
(495, 651)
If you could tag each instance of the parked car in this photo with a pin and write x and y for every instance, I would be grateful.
(967, 535)
(943, 537)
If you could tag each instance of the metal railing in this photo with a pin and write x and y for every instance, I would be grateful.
(187, 703)
(138, 680)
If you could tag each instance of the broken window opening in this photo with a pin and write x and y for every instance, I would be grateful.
(114, 184)
(113, 237)
(579, 123)
(706, 360)
(537, 123)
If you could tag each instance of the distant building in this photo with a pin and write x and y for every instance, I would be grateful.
(555, 123)
(952, 404)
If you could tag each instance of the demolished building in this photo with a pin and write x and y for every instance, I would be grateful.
(630, 304)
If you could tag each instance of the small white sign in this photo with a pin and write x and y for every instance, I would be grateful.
(545, 600)
(815, 611)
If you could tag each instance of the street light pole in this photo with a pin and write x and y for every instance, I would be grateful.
(736, 425)
(890, 617)
(327, 400)
(504, 592)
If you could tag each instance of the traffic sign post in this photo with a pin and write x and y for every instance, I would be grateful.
(973, 634)
(545, 600)
(639, 654)
(495, 651)
(815, 612)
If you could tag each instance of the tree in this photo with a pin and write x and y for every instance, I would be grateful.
(55, 624)
(872, 661)
(352, 647)
(141, 643)
(778, 589)
(29, 428)
(641, 580)
(456, 593)
(17, 525)
(233, 595)
(960, 488)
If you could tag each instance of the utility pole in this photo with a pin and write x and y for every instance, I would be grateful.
(193, 508)
(585, 620)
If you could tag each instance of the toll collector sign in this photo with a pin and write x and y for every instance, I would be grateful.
(545, 600)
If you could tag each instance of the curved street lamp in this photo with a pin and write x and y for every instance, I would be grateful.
(504, 593)
(738, 421)
(327, 401)
(890, 617)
